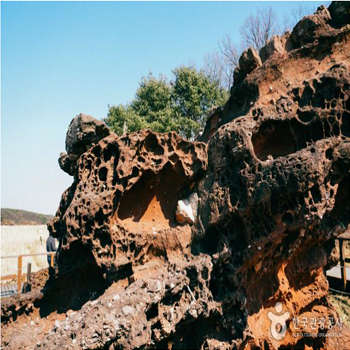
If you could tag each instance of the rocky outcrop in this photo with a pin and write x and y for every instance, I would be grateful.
(278, 169)
(220, 244)
(340, 12)
(127, 185)
(248, 61)
(310, 27)
(276, 46)
(84, 131)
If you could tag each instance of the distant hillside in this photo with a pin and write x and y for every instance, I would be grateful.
(23, 217)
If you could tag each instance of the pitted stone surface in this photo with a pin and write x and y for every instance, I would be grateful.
(272, 187)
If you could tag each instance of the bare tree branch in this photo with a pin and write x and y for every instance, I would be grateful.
(256, 31)
(259, 28)
(221, 65)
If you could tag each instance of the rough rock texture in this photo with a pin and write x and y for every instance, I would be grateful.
(278, 169)
(84, 131)
(277, 45)
(248, 61)
(122, 204)
(273, 187)
(310, 27)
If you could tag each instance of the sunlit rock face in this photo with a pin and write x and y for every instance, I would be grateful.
(84, 131)
(219, 243)
(125, 189)
(278, 170)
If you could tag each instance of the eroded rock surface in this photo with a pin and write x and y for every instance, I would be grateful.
(84, 131)
(272, 180)
(122, 205)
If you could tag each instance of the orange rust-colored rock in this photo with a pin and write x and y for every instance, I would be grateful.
(272, 180)
(125, 190)
(278, 167)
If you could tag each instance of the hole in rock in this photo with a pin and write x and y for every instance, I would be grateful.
(335, 130)
(279, 138)
(170, 298)
(274, 138)
(305, 116)
(152, 312)
(107, 154)
(102, 174)
(329, 154)
(205, 273)
(104, 238)
(152, 145)
(345, 125)
(317, 130)
(316, 194)
(152, 201)
(209, 244)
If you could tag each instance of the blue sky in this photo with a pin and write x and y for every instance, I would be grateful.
(62, 58)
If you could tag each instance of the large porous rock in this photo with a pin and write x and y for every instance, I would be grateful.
(265, 195)
(84, 131)
(123, 201)
(306, 29)
(340, 13)
(276, 194)
(310, 52)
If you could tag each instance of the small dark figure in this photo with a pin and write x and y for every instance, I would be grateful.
(50, 247)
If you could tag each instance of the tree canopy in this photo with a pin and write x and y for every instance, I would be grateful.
(180, 105)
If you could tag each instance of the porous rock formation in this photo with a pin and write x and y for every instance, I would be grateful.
(125, 189)
(271, 172)
(83, 132)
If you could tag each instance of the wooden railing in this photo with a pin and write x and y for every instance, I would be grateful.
(343, 259)
(21, 275)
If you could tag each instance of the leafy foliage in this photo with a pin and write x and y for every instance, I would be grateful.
(180, 105)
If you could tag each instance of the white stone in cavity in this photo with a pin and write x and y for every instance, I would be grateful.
(186, 210)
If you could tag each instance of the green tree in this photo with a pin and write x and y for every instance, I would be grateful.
(152, 104)
(193, 95)
(181, 105)
(152, 96)
(123, 117)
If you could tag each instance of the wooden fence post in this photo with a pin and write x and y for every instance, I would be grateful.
(52, 259)
(19, 274)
